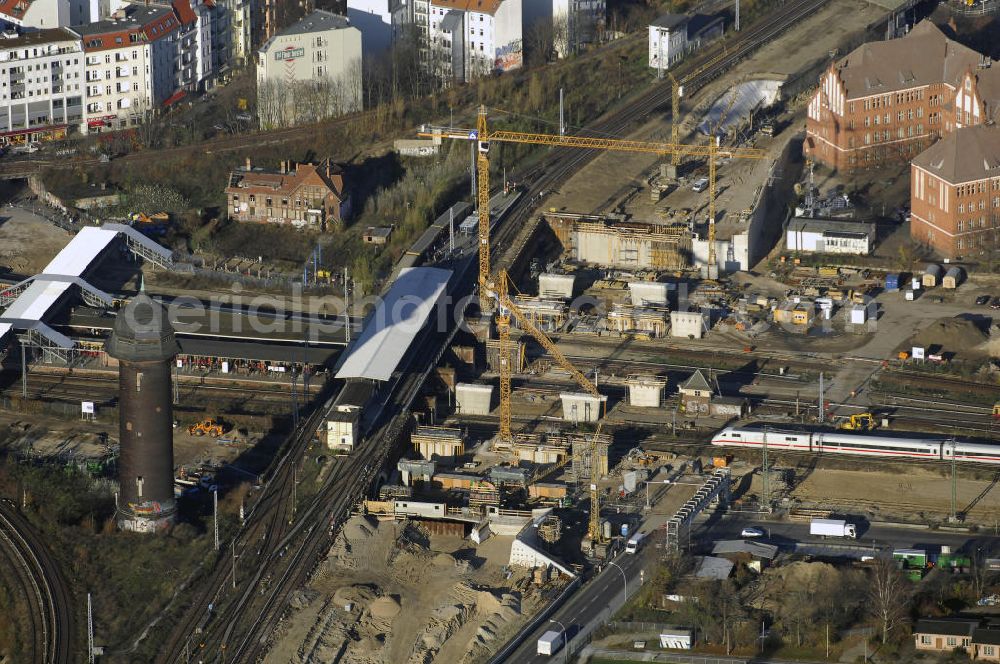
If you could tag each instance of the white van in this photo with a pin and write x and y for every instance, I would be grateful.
(700, 185)
(635, 543)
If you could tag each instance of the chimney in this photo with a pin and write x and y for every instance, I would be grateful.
(248, 164)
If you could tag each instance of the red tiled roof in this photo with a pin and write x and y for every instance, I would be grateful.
(184, 12)
(14, 8)
(265, 182)
(158, 27)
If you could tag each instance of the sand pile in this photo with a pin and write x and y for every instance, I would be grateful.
(506, 609)
(385, 607)
(360, 528)
(952, 335)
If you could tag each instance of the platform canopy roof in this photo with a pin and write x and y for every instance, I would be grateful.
(38, 295)
(394, 325)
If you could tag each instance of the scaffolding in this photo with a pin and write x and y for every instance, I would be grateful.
(647, 319)
(714, 490)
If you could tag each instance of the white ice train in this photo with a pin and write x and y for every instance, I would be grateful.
(861, 445)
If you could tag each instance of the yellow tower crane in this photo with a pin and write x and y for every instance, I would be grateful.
(484, 137)
(498, 287)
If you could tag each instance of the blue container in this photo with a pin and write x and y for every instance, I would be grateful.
(624, 530)
(891, 282)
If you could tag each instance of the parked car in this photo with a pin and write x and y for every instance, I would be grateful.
(752, 532)
(995, 304)
(982, 300)
(700, 185)
(27, 148)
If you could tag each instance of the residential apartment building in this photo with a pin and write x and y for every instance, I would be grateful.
(131, 62)
(473, 38)
(42, 86)
(37, 14)
(299, 195)
(887, 101)
(375, 19)
(573, 23)
(955, 193)
(309, 71)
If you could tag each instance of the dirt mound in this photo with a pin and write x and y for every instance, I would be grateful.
(444, 560)
(951, 335)
(360, 528)
(358, 595)
(385, 607)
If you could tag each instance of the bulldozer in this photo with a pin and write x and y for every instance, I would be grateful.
(859, 422)
(207, 427)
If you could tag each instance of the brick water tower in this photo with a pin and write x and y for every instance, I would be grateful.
(143, 342)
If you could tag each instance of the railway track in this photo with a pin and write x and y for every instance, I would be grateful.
(556, 168)
(103, 390)
(49, 597)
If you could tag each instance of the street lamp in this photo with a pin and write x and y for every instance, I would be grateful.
(565, 637)
(624, 578)
(647, 483)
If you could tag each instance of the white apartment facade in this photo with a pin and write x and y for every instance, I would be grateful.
(668, 40)
(41, 86)
(38, 14)
(473, 38)
(374, 18)
(573, 23)
(130, 65)
(309, 71)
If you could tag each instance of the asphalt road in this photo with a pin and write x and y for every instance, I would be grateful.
(588, 608)
(880, 537)
(597, 601)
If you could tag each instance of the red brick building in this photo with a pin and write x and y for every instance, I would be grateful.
(955, 192)
(888, 101)
(300, 195)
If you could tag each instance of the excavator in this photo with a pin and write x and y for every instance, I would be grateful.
(859, 422)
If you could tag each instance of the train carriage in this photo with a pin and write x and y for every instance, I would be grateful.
(888, 447)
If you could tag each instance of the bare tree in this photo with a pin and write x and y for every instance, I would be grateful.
(982, 575)
(888, 595)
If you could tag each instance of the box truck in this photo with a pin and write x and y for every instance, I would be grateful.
(550, 642)
(832, 528)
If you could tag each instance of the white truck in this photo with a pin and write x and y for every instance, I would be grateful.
(550, 642)
(633, 545)
(833, 528)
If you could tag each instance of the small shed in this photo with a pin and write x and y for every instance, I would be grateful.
(377, 235)
(678, 639)
(931, 276)
(953, 277)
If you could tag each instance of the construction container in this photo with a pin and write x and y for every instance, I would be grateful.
(859, 315)
(953, 277)
(932, 275)
(891, 282)
(908, 295)
(547, 490)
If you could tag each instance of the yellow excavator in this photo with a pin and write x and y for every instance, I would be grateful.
(207, 427)
(859, 422)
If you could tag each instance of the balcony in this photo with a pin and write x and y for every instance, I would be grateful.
(94, 76)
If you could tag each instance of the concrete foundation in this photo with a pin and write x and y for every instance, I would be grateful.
(582, 407)
(472, 399)
(556, 285)
(438, 442)
(645, 391)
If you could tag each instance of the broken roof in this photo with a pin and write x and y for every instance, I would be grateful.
(964, 155)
